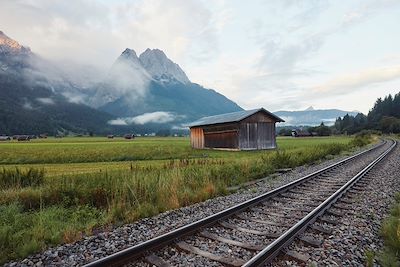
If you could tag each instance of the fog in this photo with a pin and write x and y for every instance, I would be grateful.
(153, 117)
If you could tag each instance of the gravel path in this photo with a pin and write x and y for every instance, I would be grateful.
(105, 243)
(357, 231)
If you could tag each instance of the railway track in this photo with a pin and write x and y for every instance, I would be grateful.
(254, 232)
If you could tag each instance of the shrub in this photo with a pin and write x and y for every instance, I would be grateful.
(282, 159)
(361, 139)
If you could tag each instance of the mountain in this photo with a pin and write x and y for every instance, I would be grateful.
(153, 83)
(138, 94)
(161, 68)
(31, 102)
(311, 116)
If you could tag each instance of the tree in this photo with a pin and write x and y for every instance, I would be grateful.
(321, 130)
(285, 132)
(390, 124)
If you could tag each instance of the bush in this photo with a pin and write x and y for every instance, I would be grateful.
(361, 139)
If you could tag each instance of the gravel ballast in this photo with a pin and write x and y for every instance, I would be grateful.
(358, 231)
(105, 243)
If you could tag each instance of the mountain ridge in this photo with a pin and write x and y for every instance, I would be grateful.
(150, 85)
(311, 117)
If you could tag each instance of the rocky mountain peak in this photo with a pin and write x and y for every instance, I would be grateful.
(10, 46)
(161, 67)
(129, 56)
(129, 53)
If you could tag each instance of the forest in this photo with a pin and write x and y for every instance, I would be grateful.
(384, 117)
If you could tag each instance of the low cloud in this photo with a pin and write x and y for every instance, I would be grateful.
(74, 98)
(27, 105)
(45, 100)
(118, 122)
(153, 117)
(180, 127)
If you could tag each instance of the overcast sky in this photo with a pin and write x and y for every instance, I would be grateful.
(275, 54)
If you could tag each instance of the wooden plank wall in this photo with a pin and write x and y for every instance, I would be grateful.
(226, 139)
(197, 137)
(257, 135)
(265, 135)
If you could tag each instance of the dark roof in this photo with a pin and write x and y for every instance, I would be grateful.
(231, 117)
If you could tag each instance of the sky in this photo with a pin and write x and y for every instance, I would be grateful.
(280, 55)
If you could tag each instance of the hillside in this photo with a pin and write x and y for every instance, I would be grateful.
(311, 116)
(29, 104)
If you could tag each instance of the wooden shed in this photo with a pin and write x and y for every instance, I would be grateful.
(242, 130)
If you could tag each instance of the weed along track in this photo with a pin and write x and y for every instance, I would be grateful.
(255, 232)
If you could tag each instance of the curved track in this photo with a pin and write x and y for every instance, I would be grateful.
(257, 230)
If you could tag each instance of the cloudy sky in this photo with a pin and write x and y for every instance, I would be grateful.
(276, 54)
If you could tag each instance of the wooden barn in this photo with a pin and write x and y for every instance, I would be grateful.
(242, 130)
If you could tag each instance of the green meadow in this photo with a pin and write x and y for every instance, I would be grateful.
(57, 190)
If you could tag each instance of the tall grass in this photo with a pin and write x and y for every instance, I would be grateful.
(17, 178)
(391, 234)
(23, 233)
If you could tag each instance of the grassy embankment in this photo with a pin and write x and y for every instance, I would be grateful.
(390, 256)
(54, 191)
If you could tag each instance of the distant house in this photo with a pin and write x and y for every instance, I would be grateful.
(23, 138)
(242, 130)
(301, 133)
(129, 136)
(5, 138)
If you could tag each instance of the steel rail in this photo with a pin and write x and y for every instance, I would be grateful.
(137, 251)
(272, 250)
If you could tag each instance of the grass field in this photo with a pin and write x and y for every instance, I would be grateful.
(84, 154)
(55, 190)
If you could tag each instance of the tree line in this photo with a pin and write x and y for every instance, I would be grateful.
(384, 117)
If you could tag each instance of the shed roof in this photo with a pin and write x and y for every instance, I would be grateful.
(232, 117)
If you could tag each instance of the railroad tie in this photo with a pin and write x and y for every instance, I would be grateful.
(326, 220)
(363, 184)
(346, 201)
(301, 258)
(304, 198)
(269, 213)
(246, 230)
(321, 229)
(215, 237)
(335, 213)
(311, 241)
(157, 261)
(268, 222)
(342, 207)
(354, 190)
(358, 187)
(228, 261)
(302, 209)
